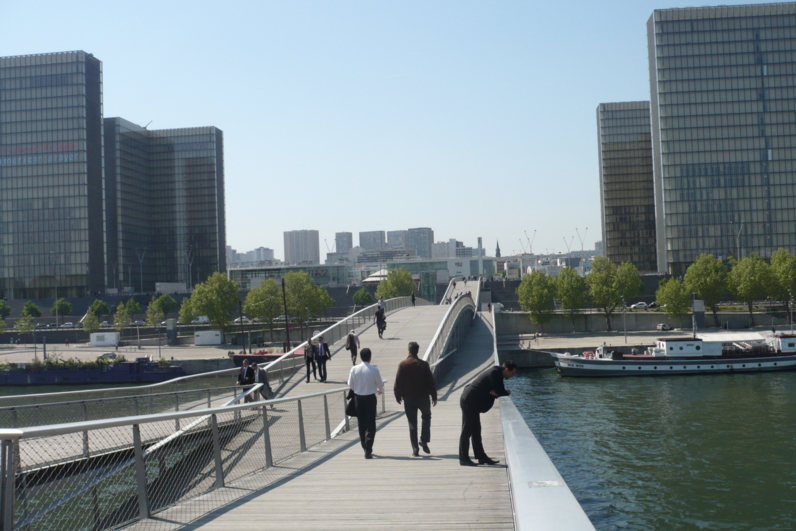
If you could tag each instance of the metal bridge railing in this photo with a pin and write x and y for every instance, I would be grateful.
(449, 336)
(146, 466)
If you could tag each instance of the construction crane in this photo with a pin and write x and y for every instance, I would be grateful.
(584, 237)
(327, 246)
(523, 246)
(530, 241)
(569, 245)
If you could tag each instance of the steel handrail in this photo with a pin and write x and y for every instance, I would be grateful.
(445, 295)
(458, 304)
(477, 298)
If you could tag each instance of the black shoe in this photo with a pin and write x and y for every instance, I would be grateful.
(424, 446)
(466, 462)
(488, 461)
(368, 455)
(415, 453)
(308, 381)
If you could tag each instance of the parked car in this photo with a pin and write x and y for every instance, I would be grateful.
(639, 306)
(52, 325)
(138, 323)
(108, 356)
(243, 319)
(282, 318)
(41, 325)
(68, 325)
(105, 324)
(663, 326)
(653, 305)
(202, 319)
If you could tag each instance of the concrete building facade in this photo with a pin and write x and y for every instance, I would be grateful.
(302, 247)
(372, 240)
(420, 239)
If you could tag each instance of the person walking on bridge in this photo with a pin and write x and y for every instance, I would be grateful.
(479, 397)
(309, 359)
(365, 381)
(352, 345)
(414, 383)
(322, 355)
(246, 378)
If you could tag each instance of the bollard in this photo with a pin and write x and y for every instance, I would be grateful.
(140, 474)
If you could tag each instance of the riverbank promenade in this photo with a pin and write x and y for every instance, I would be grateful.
(332, 486)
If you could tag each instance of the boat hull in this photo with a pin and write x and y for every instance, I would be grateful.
(577, 366)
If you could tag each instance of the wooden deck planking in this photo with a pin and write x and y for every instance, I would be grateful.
(333, 487)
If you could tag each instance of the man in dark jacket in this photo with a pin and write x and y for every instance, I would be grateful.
(479, 397)
(414, 383)
(322, 355)
(309, 359)
(246, 378)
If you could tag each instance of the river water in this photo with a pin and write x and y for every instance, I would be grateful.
(702, 452)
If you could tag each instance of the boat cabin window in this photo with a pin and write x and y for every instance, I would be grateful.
(792, 344)
(698, 347)
(671, 348)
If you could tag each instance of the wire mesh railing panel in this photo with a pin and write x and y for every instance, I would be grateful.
(284, 430)
(312, 411)
(242, 445)
(90, 493)
(180, 467)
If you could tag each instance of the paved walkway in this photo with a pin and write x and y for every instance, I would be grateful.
(333, 487)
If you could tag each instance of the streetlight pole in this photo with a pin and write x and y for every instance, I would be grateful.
(240, 318)
(140, 269)
(790, 294)
(287, 317)
(624, 315)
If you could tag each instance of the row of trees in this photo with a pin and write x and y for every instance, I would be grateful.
(607, 286)
(748, 280)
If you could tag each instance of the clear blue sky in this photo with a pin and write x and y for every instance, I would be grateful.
(472, 118)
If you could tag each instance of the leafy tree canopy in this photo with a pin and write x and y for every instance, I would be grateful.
(186, 311)
(572, 291)
(217, 298)
(264, 301)
(91, 323)
(5, 310)
(166, 303)
(783, 271)
(121, 319)
(363, 297)
(25, 324)
(61, 307)
(132, 307)
(304, 298)
(707, 277)
(398, 283)
(154, 314)
(31, 309)
(608, 283)
(99, 308)
(536, 295)
(673, 293)
(750, 280)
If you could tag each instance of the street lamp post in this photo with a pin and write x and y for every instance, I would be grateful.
(240, 318)
(287, 317)
(790, 294)
(140, 269)
(624, 315)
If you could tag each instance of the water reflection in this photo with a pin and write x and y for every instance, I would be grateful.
(682, 452)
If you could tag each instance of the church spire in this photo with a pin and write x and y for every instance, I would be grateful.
(497, 250)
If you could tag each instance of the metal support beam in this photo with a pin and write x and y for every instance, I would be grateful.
(302, 439)
(269, 458)
(217, 452)
(326, 417)
(140, 474)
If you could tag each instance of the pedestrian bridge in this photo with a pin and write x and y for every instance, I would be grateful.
(193, 454)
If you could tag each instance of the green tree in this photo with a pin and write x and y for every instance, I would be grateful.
(363, 297)
(186, 311)
(91, 323)
(61, 307)
(25, 325)
(609, 283)
(132, 307)
(573, 292)
(31, 309)
(154, 314)
(673, 294)
(166, 303)
(122, 319)
(708, 279)
(304, 298)
(750, 280)
(783, 271)
(265, 303)
(536, 295)
(5, 309)
(398, 283)
(217, 298)
(99, 308)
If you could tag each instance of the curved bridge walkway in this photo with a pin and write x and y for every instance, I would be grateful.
(332, 486)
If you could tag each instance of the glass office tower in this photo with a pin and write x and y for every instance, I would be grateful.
(165, 205)
(627, 202)
(51, 176)
(723, 110)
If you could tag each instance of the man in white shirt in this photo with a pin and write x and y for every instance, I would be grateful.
(365, 381)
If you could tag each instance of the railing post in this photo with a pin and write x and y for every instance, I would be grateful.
(140, 474)
(7, 502)
(302, 439)
(345, 415)
(16, 419)
(84, 413)
(384, 402)
(208, 399)
(176, 410)
(326, 417)
(217, 452)
(281, 365)
(269, 458)
(137, 412)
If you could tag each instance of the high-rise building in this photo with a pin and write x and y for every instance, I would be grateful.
(627, 202)
(723, 109)
(302, 247)
(87, 204)
(52, 208)
(165, 197)
(420, 239)
(396, 239)
(372, 240)
(343, 241)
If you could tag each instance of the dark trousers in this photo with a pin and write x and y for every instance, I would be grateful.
(322, 368)
(354, 355)
(366, 418)
(410, 408)
(471, 429)
(311, 362)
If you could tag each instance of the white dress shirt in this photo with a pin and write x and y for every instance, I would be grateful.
(365, 379)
